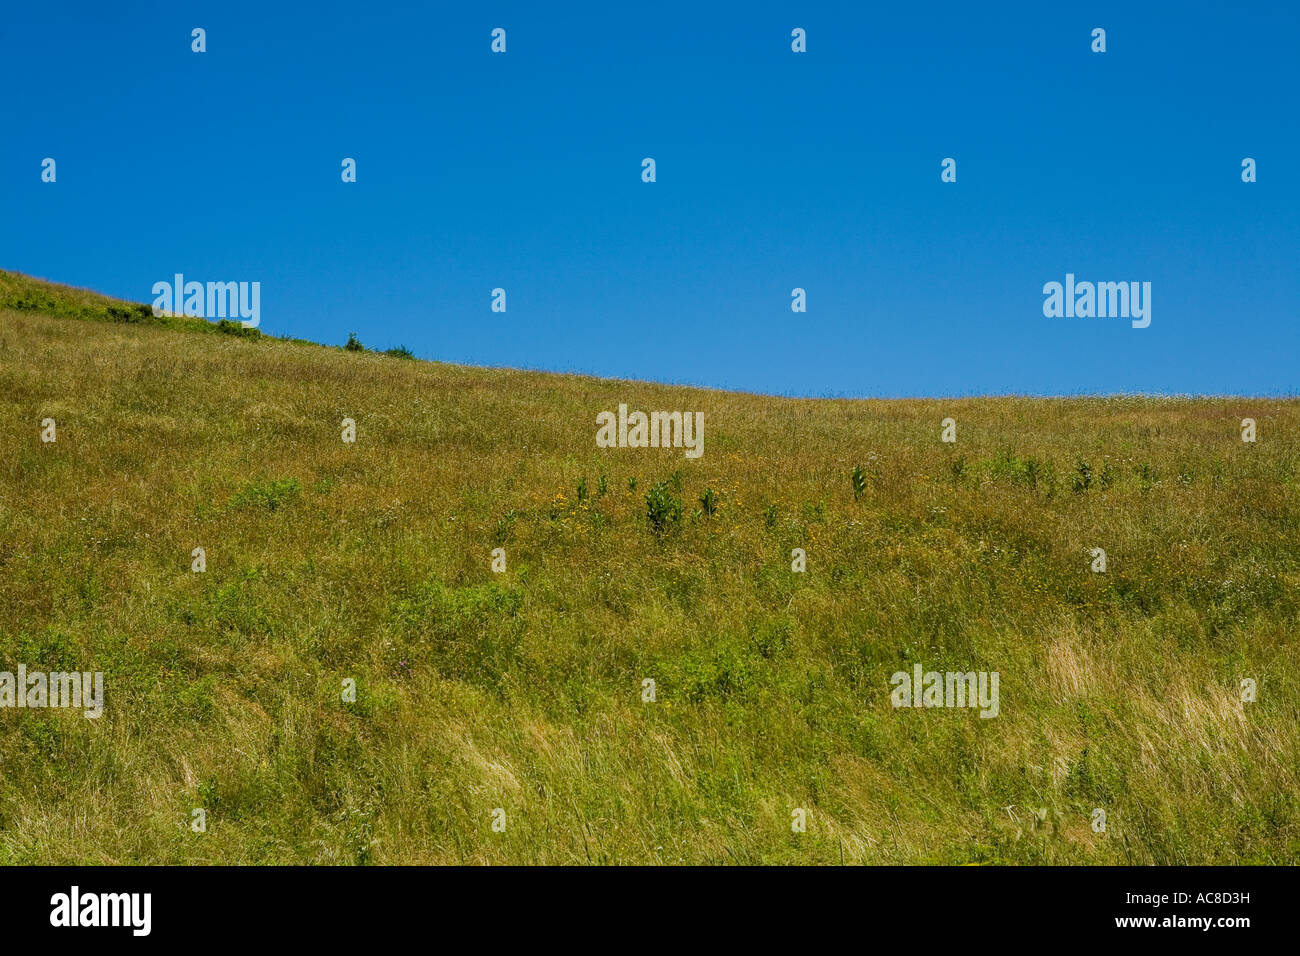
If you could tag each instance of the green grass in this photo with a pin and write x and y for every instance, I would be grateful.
(371, 561)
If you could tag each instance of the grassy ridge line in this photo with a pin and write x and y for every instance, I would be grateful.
(522, 690)
(24, 293)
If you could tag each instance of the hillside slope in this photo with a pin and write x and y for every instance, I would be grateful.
(522, 690)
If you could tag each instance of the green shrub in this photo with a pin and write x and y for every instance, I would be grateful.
(709, 500)
(663, 508)
(136, 313)
(232, 327)
(859, 481)
(1081, 481)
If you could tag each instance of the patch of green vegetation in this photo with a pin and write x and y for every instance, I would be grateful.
(663, 508)
(271, 494)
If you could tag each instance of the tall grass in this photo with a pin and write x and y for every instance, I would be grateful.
(523, 690)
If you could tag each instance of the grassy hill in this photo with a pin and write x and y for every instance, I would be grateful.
(522, 690)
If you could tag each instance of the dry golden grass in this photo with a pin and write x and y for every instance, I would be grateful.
(522, 690)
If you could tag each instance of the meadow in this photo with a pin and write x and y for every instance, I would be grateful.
(522, 691)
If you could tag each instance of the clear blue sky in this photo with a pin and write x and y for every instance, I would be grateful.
(775, 170)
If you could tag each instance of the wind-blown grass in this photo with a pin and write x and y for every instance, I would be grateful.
(523, 690)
